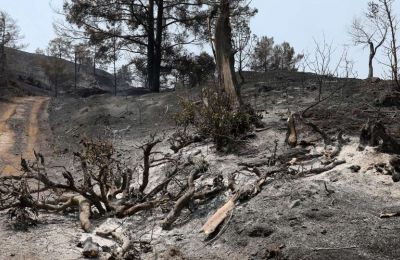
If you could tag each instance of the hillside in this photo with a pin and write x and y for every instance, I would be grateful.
(27, 75)
(297, 214)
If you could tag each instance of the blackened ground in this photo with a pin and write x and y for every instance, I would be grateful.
(334, 215)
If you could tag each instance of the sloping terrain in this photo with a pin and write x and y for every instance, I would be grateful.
(332, 215)
(27, 74)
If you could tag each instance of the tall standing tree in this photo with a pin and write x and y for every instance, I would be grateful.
(391, 21)
(148, 27)
(10, 37)
(284, 58)
(262, 55)
(242, 38)
(225, 55)
(370, 31)
(57, 50)
(267, 56)
(125, 76)
(80, 56)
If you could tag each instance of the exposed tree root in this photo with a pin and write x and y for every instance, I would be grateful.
(181, 202)
(126, 244)
(77, 201)
(130, 210)
(84, 212)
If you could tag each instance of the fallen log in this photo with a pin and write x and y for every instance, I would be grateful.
(240, 194)
(215, 220)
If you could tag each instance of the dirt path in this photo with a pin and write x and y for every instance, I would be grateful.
(19, 129)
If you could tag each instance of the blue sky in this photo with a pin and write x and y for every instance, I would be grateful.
(295, 21)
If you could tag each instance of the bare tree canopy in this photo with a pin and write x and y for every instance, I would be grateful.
(370, 31)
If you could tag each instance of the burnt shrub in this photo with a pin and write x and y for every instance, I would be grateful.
(214, 118)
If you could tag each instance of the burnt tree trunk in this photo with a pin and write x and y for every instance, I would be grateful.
(94, 62)
(240, 68)
(114, 65)
(158, 46)
(75, 70)
(225, 56)
(3, 76)
(153, 80)
(3, 72)
(370, 60)
(393, 27)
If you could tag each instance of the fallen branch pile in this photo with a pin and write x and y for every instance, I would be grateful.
(105, 186)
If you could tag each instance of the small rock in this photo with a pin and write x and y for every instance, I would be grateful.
(173, 253)
(295, 204)
(323, 232)
(260, 231)
(90, 249)
(396, 176)
(383, 168)
(242, 242)
(273, 251)
(379, 167)
(355, 168)
(374, 80)
(106, 249)
(395, 162)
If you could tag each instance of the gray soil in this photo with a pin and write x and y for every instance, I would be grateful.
(333, 215)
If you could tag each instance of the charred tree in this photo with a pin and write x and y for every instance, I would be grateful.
(225, 56)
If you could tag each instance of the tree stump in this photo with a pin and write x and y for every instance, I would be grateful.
(374, 134)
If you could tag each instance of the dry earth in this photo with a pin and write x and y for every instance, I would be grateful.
(19, 130)
(334, 215)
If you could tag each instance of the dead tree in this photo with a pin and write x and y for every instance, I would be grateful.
(322, 64)
(225, 56)
(101, 177)
(391, 20)
(370, 33)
